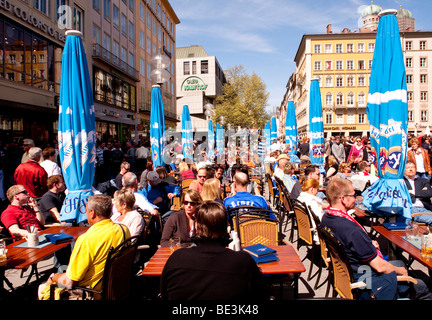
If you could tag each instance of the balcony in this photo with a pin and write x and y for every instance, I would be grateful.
(106, 56)
(145, 107)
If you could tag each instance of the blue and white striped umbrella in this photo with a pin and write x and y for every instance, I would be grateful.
(387, 110)
(273, 128)
(316, 130)
(77, 129)
(211, 140)
(187, 135)
(157, 127)
(291, 131)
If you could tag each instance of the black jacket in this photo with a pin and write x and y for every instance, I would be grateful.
(423, 191)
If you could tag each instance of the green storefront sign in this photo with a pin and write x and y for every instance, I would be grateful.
(193, 83)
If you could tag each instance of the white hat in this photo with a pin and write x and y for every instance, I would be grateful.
(153, 177)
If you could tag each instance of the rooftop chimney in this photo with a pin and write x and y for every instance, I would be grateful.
(329, 28)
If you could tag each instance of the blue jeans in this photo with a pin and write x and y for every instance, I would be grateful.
(425, 218)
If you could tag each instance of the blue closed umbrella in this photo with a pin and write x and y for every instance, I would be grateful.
(273, 128)
(387, 110)
(316, 130)
(77, 129)
(267, 134)
(157, 127)
(291, 132)
(187, 138)
(220, 143)
(211, 140)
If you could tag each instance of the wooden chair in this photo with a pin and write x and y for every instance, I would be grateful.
(185, 184)
(342, 275)
(241, 214)
(305, 232)
(273, 196)
(286, 208)
(175, 204)
(117, 277)
(325, 258)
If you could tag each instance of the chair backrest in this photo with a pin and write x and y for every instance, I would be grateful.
(240, 214)
(323, 247)
(341, 269)
(185, 184)
(280, 185)
(270, 185)
(254, 231)
(175, 204)
(117, 278)
(304, 225)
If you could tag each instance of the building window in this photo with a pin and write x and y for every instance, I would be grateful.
(423, 62)
(329, 81)
(339, 48)
(329, 99)
(370, 64)
(361, 118)
(107, 42)
(423, 78)
(361, 99)
(410, 96)
(194, 67)
(317, 48)
(350, 99)
(116, 17)
(408, 62)
(317, 65)
(131, 31)
(350, 81)
(96, 5)
(78, 19)
(328, 65)
(409, 78)
(422, 45)
(339, 118)
(371, 47)
(350, 65)
(339, 82)
(339, 65)
(361, 65)
(350, 47)
(328, 48)
(360, 47)
(350, 117)
(329, 118)
(410, 115)
(361, 81)
(142, 40)
(423, 115)
(42, 6)
(107, 9)
(116, 47)
(142, 12)
(186, 68)
(204, 66)
(96, 34)
(408, 45)
(423, 96)
(149, 46)
(339, 99)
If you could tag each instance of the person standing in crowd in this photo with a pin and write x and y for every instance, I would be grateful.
(356, 152)
(124, 167)
(420, 157)
(338, 150)
(49, 164)
(130, 155)
(27, 144)
(304, 147)
(32, 175)
(142, 155)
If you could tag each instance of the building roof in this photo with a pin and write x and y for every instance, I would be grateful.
(194, 51)
(404, 13)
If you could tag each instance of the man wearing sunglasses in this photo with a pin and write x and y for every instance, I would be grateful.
(23, 211)
(364, 254)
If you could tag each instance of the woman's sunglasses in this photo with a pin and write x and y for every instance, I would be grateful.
(192, 203)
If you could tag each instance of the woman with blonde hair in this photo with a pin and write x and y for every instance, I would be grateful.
(211, 190)
(344, 171)
(124, 213)
(332, 166)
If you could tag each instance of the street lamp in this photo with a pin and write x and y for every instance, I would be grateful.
(209, 110)
(160, 63)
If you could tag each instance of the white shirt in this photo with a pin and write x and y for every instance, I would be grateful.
(133, 220)
(51, 167)
(142, 153)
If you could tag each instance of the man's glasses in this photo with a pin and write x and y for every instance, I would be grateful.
(23, 192)
(349, 195)
(192, 203)
(25, 145)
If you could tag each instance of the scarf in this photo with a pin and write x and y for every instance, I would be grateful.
(339, 213)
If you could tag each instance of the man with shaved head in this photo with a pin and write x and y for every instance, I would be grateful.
(242, 197)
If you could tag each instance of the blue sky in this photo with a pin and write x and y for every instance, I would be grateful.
(263, 35)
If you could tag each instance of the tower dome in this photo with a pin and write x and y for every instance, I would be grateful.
(373, 9)
(404, 13)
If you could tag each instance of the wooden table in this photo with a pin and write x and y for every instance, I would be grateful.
(395, 237)
(289, 262)
(23, 258)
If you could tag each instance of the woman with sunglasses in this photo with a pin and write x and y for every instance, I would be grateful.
(181, 224)
(356, 152)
